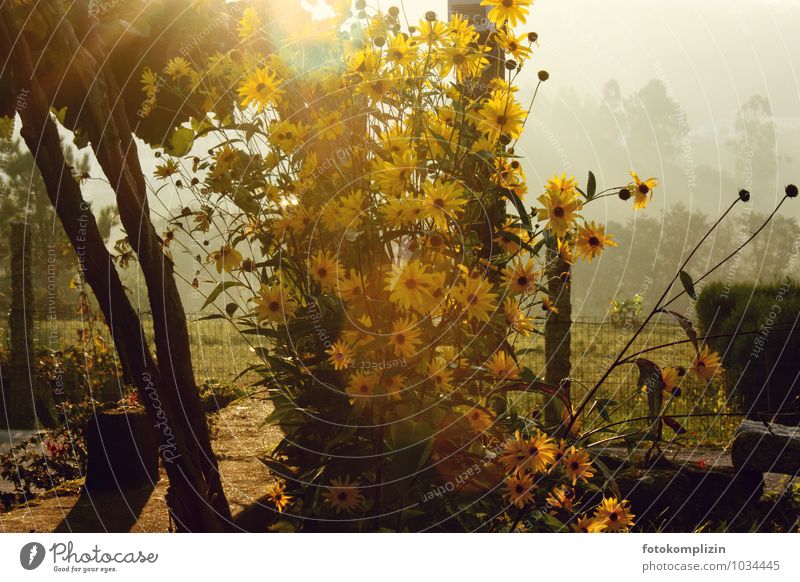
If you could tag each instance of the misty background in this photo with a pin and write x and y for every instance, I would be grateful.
(702, 95)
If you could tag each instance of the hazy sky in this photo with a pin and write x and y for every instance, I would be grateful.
(712, 54)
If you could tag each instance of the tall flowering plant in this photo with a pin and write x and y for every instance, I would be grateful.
(362, 207)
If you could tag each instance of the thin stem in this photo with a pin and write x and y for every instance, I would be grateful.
(655, 309)
(730, 256)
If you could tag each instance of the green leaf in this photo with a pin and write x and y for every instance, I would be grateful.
(602, 405)
(591, 186)
(219, 289)
(688, 284)
(181, 141)
(515, 200)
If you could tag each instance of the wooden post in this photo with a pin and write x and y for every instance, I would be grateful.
(19, 391)
(558, 331)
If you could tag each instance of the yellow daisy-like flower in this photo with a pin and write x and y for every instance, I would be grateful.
(586, 524)
(511, 11)
(361, 388)
(670, 377)
(273, 304)
(535, 454)
(591, 240)
(479, 421)
(341, 354)
(325, 270)
(707, 364)
(440, 376)
(401, 51)
(351, 288)
(393, 385)
(521, 277)
(517, 318)
(405, 337)
(249, 24)
(514, 45)
(260, 88)
(168, 168)
(344, 495)
(577, 465)
(561, 208)
(443, 200)
(615, 515)
(502, 115)
(548, 305)
(278, 497)
(226, 259)
(408, 286)
(503, 366)
(463, 57)
(519, 489)
(431, 32)
(178, 67)
(149, 81)
(476, 298)
(642, 190)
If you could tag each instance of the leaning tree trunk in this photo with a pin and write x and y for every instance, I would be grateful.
(557, 332)
(196, 499)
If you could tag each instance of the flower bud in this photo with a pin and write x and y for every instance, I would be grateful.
(791, 191)
(544, 75)
(744, 195)
(624, 193)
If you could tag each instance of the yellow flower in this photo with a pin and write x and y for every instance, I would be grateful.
(391, 177)
(615, 515)
(479, 421)
(167, 169)
(287, 135)
(150, 82)
(325, 269)
(513, 44)
(431, 32)
(548, 305)
(512, 11)
(178, 67)
(591, 240)
(670, 377)
(516, 317)
(278, 497)
(503, 366)
(249, 24)
(405, 337)
(519, 489)
(409, 286)
(351, 288)
(534, 454)
(502, 115)
(393, 385)
(707, 364)
(444, 200)
(341, 354)
(344, 495)
(361, 388)
(521, 278)
(260, 88)
(561, 205)
(476, 298)
(577, 465)
(561, 498)
(466, 59)
(401, 51)
(586, 524)
(440, 375)
(226, 258)
(273, 304)
(641, 189)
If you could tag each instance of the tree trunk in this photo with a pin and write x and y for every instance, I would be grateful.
(196, 499)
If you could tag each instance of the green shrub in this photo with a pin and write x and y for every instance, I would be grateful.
(762, 352)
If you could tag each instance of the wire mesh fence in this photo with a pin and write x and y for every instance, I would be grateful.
(220, 353)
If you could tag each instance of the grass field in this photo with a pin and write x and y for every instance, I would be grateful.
(220, 354)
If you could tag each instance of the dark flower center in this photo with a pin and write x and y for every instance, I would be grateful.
(574, 465)
(501, 120)
(400, 339)
(522, 281)
(260, 87)
(594, 241)
(558, 212)
(322, 272)
(508, 3)
(459, 59)
(411, 284)
(274, 306)
(644, 188)
(613, 516)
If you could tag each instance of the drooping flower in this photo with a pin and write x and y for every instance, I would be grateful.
(516, 318)
(642, 190)
(707, 364)
(226, 259)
